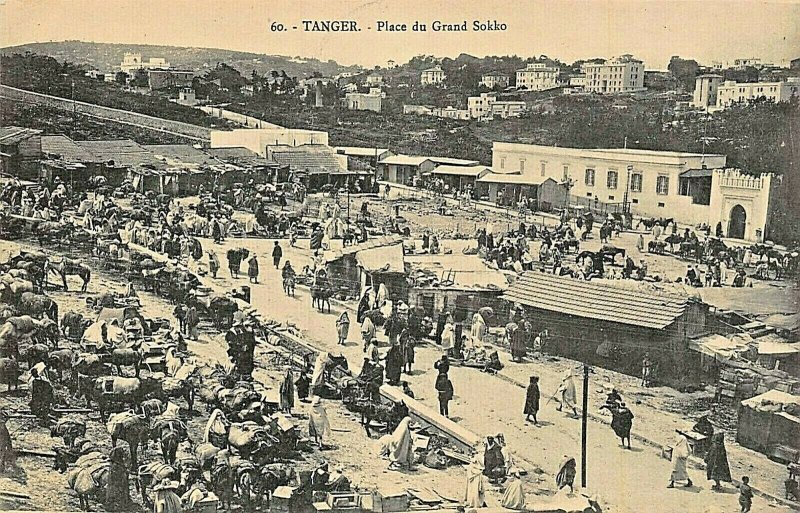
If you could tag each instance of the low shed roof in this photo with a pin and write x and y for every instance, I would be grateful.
(594, 301)
(513, 178)
(475, 171)
(386, 259)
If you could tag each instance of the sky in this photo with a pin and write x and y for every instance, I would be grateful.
(568, 30)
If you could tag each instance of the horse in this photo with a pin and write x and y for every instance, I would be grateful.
(38, 305)
(610, 252)
(272, 476)
(672, 240)
(67, 267)
(109, 391)
(689, 248)
(90, 477)
(133, 429)
(123, 356)
(150, 473)
(656, 246)
(170, 433)
(320, 296)
(9, 372)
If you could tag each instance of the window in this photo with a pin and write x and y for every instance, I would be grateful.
(662, 185)
(588, 194)
(636, 182)
(522, 164)
(634, 201)
(542, 168)
(661, 205)
(611, 181)
(502, 163)
(589, 177)
(611, 198)
(566, 173)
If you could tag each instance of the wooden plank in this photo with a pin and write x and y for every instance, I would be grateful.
(15, 494)
(465, 438)
(28, 452)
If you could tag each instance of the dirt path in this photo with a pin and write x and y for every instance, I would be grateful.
(625, 480)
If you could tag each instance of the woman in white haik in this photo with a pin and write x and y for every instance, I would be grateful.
(319, 428)
(399, 446)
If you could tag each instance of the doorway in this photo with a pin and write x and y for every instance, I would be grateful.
(737, 222)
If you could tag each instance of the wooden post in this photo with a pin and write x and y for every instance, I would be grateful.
(584, 418)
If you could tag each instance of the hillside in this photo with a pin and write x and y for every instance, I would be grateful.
(107, 56)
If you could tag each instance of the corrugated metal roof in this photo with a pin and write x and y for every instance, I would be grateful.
(593, 301)
(182, 152)
(308, 157)
(66, 149)
(388, 259)
(15, 134)
(475, 171)
(241, 157)
(123, 152)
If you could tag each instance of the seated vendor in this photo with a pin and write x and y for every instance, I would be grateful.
(494, 465)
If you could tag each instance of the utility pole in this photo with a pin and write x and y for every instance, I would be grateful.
(625, 207)
(74, 106)
(584, 418)
(568, 183)
(348, 204)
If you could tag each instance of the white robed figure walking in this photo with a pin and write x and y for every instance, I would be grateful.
(319, 428)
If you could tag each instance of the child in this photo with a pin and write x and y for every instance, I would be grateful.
(745, 495)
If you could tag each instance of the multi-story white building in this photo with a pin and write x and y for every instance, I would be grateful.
(132, 61)
(705, 91)
(487, 106)
(432, 76)
(731, 92)
(375, 80)
(365, 101)
(689, 187)
(258, 140)
(490, 80)
(537, 76)
(621, 74)
(451, 112)
(508, 109)
(744, 63)
(480, 106)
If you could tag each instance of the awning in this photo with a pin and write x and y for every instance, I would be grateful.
(771, 397)
(777, 348)
(721, 347)
(697, 173)
(473, 171)
(511, 178)
(387, 259)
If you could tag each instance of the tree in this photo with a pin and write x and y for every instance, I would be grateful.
(140, 78)
(121, 78)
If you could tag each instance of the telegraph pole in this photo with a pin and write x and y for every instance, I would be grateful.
(74, 106)
(625, 207)
(584, 418)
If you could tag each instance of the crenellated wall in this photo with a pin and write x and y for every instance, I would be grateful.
(731, 188)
